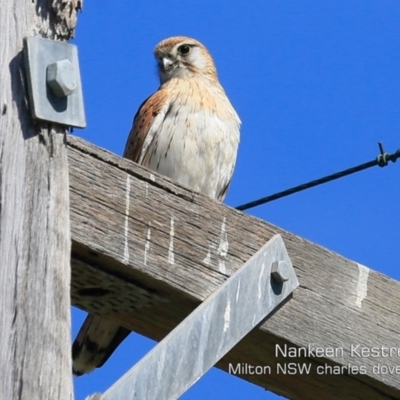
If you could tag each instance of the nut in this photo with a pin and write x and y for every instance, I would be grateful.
(280, 271)
(61, 77)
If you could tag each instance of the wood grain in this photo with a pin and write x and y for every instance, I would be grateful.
(34, 219)
(147, 251)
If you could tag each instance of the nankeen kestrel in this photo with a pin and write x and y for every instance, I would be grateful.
(188, 131)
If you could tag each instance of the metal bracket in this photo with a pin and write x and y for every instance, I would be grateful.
(212, 329)
(54, 82)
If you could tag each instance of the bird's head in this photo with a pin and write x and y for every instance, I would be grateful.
(183, 57)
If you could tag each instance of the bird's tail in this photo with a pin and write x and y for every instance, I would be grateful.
(95, 342)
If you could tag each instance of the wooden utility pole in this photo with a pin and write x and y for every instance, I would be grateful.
(34, 225)
(147, 251)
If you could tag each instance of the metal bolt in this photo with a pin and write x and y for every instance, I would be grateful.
(61, 77)
(280, 271)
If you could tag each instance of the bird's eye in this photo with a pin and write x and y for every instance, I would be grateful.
(184, 49)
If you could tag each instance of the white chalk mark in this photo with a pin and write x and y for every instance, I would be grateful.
(223, 247)
(362, 284)
(147, 245)
(227, 316)
(126, 231)
(152, 178)
(207, 258)
(237, 291)
(171, 257)
(260, 291)
(222, 266)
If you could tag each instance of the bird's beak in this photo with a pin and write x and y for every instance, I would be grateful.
(167, 64)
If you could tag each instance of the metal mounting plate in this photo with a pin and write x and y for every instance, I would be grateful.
(45, 105)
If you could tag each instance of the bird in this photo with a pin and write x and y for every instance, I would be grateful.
(188, 131)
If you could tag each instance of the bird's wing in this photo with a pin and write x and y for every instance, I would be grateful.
(146, 123)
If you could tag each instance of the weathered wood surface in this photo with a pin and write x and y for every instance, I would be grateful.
(211, 330)
(34, 218)
(134, 232)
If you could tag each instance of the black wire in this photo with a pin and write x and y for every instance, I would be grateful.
(382, 160)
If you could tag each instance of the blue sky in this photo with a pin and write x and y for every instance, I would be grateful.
(316, 85)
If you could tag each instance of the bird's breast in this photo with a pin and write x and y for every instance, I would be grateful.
(196, 144)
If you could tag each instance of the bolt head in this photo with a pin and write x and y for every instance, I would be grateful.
(280, 271)
(61, 77)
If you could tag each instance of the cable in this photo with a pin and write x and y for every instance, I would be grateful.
(381, 160)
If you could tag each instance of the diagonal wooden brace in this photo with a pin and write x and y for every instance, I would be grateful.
(212, 329)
